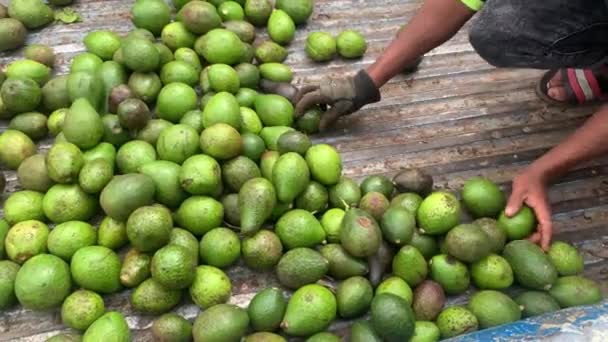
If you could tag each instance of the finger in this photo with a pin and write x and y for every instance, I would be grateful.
(303, 91)
(309, 100)
(543, 214)
(333, 114)
(535, 238)
(287, 90)
(514, 203)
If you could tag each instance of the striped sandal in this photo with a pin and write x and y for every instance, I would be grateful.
(583, 86)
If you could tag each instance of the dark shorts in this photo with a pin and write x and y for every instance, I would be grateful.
(544, 34)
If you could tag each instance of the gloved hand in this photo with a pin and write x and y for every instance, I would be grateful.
(343, 95)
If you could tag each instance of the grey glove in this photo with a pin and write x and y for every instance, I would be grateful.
(344, 95)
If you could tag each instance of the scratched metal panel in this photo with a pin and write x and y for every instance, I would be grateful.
(456, 117)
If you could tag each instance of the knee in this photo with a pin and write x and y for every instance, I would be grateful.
(488, 42)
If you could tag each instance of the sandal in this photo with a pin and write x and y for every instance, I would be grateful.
(583, 86)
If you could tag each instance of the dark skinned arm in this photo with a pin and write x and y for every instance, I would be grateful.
(529, 187)
(435, 23)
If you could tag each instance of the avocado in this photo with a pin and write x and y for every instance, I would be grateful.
(392, 317)
(112, 325)
(232, 216)
(68, 237)
(314, 198)
(199, 17)
(221, 323)
(519, 226)
(410, 265)
(425, 331)
(274, 110)
(112, 233)
(362, 331)
(249, 75)
(221, 141)
(272, 134)
(281, 27)
(133, 114)
(184, 238)
(264, 337)
(95, 175)
(194, 119)
(33, 124)
(266, 309)
(145, 86)
(8, 273)
(32, 13)
(413, 180)
(238, 171)
(13, 34)
(82, 125)
(450, 273)
(575, 290)
(29, 69)
(309, 121)
(243, 29)
(189, 56)
(493, 308)
(33, 175)
(482, 197)
(428, 300)
(102, 43)
(345, 194)
(81, 309)
(23, 205)
(467, 242)
(377, 183)
(172, 327)
(64, 162)
(456, 320)
(566, 259)
(201, 175)
(323, 337)
(342, 265)
(301, 266)
(176, 35)
(351, 44)
(380, 262)
(67, 337)
(86, 62)
(43, 282)
(140, 55)
(310, 310)
(258, 11)
(55, 93)
(149, 228)
(64, 203)
(150, 297)
(497, 236)
(290, 176)
(151, 15)
(211, 286)
(359, 233)
(438, 213)
(165, 175)
(354, 296)
(293, 141)
(320, 46)
(325, 164)
(298, 10)
(173, 267)
(96, 268)
(331, 219)
(223, 79)
(374, 203)
(199, 214)
(531, 266)
(398, 225)
(177, 143)
(534, 303)
(270, 52)
(220, 46)
(125, 193)
(492, 272)
(262, 251)
(135, 268)
(257, 199)
(87, 85)
(25, 240)
(113, 132)
(20, 94)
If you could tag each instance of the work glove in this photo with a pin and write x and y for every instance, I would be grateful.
(343, 95)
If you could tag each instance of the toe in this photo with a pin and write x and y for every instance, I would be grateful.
(558, 93)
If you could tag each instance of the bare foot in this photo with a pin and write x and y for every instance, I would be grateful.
(555, 88)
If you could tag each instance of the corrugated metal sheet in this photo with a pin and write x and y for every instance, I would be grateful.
(456, 117)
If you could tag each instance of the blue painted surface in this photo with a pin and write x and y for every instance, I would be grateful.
(568, 322)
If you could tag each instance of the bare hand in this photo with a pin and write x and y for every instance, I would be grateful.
(530, 188)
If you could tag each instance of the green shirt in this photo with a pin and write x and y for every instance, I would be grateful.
(474, 5)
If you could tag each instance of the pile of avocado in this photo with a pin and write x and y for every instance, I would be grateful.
(169, 166)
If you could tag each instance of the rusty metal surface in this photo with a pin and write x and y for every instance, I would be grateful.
(456, 117)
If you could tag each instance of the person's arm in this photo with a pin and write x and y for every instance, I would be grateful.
(435, 23)
(529, 187)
